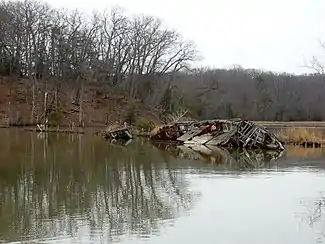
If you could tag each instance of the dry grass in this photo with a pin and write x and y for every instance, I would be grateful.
(301, 135)
(113, 127)
(306, 124)
(156, 129)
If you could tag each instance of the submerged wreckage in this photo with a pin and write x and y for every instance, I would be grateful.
(235, 133)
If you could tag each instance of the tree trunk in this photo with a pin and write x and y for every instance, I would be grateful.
(80, 105)
(33, 104)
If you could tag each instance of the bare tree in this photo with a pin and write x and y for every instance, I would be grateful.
(148, 62)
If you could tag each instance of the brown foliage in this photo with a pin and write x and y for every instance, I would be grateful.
(301, 135)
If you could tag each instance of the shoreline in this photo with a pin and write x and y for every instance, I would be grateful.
(305, 124)
(308, 142)
(285, 124)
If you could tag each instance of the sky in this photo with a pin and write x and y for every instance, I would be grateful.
(275, 35)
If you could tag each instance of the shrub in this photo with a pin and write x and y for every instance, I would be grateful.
(131, 116)
(54, 117)
(146, 125)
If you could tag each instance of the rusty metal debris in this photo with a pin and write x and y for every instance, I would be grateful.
(236, 133)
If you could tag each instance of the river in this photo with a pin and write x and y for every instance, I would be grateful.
(60, 188)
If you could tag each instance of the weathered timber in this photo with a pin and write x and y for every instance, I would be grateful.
(122, 133)
(189, 135)
(225, 133)
(224, 139)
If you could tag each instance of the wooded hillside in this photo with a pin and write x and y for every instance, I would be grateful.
(68, 52)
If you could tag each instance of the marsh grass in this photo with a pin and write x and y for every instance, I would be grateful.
(299, 135)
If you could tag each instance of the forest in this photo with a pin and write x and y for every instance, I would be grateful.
(136, 55)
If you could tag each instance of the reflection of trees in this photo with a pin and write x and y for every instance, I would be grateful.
(47, 189)
(223, 158)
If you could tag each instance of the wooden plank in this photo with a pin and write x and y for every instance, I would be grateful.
(189, 135)
(200, 139)
(222, 139)
(249, 136)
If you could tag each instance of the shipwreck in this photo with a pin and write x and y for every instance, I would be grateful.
(235, 133)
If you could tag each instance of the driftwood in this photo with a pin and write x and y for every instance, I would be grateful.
(225, 133)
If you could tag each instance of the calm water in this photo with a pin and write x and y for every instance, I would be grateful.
(80, 189)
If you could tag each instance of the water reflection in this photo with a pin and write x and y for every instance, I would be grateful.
(62, 186)
(234, 159)
(82, 189)
(313, 215)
